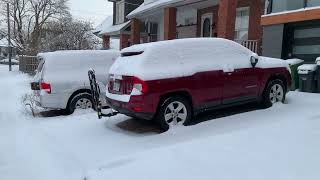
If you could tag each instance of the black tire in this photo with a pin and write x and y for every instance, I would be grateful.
(72, 105)
(266, 100)
(160, 117)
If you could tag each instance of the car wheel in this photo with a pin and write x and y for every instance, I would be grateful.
(174, 111)
(275, 92)
(80, 101)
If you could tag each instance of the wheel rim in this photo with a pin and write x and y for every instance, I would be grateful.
(175, 113)
(276, 93)
(83, 103)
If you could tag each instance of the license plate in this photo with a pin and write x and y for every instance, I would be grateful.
(35, 86)
(116, 85)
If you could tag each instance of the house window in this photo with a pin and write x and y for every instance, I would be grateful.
(312, 3)
(242, 24)
(119, 12)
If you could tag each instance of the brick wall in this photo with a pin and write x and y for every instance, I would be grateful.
(124, 41)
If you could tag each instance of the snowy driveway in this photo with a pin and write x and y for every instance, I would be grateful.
(277, 143)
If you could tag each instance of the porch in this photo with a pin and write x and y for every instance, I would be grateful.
(237, 20)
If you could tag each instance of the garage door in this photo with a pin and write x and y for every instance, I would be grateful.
(306, 43)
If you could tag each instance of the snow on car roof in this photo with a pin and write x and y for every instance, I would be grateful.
(71, 55)
(184, 57)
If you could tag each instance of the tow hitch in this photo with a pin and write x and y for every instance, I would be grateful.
(95, 93)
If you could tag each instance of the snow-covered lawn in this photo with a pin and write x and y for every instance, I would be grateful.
(280, 143)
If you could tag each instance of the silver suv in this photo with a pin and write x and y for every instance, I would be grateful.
(61, 80)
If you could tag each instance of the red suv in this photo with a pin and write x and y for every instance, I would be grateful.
(171, 81)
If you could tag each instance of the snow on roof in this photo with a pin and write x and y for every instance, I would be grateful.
(4, 43)
(105, 23)
(150, 5)
(291, 11)
(113, 29)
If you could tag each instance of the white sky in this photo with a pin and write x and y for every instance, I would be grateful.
(92, 10)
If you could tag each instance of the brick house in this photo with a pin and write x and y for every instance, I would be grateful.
(291, 29)
(120, 26)
(238, 20)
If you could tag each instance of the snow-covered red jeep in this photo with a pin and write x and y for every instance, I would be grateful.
(170, 81)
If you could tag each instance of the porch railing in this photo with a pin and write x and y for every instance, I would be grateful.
(253, 45)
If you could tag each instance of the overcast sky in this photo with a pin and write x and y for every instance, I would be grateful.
(92, 10)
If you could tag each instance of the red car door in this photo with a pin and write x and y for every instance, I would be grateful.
(240, 85)
(208, 89)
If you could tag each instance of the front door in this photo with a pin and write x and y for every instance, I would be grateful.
(206, 25)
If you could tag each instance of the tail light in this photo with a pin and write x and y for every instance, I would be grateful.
(46, 87)
(140, 85)
(129, 85)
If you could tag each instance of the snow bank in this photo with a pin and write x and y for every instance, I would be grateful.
(184, 57)
(7, 61)
(306, 68)
(279, 143)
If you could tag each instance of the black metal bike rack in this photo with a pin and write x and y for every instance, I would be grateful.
(95, 93)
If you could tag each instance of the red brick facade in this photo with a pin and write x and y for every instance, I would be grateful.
(224, 19)
(227, 18)
(135, 31)
(124, 41)
(106, 42)
(170, 24)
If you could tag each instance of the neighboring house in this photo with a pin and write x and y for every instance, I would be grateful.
(291, 29)
(237, 20)
(118, 26)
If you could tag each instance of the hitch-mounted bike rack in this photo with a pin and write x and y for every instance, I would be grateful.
(95, 93)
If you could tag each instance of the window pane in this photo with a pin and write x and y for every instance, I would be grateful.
(307, 33)
(285, 5)
(242, 19)
(311, 3)
(313, 49)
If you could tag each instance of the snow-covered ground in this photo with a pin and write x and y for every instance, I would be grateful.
(279, 143)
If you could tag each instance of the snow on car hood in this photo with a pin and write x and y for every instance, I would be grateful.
(267, 62)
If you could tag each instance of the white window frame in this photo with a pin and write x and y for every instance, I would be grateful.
(241, 29)
(119, 12)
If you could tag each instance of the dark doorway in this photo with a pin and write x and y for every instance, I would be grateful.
(206, 28)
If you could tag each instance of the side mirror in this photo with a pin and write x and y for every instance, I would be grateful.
(254, 61)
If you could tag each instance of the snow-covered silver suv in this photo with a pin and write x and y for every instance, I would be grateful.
(61, 80)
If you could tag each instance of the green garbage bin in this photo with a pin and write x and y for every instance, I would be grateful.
(294, 64)
(307, 78)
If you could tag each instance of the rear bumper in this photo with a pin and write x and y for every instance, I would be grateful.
(50, 101)
(128, 109)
